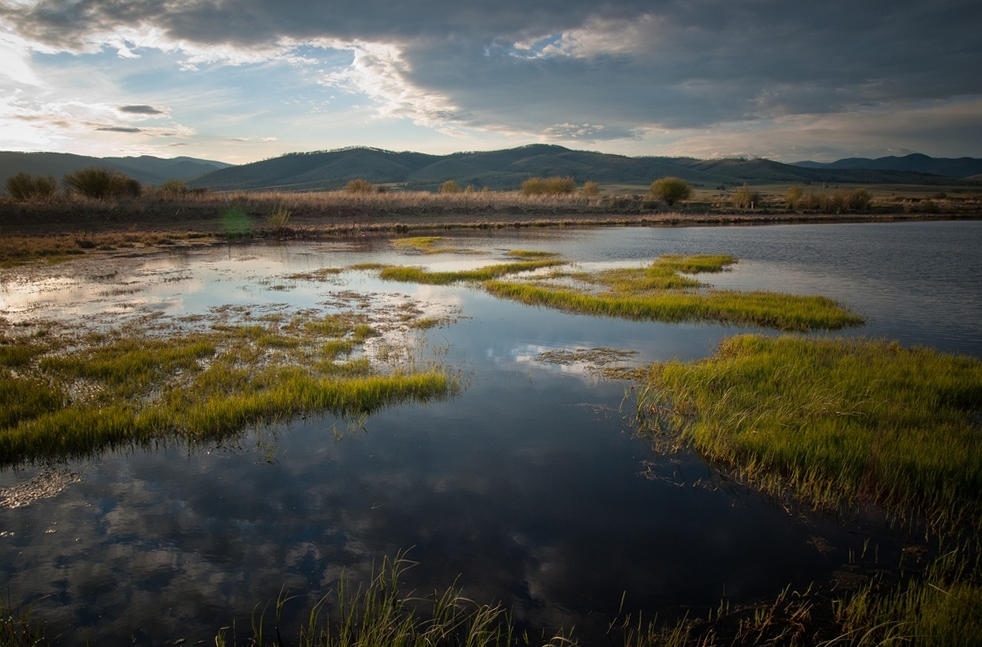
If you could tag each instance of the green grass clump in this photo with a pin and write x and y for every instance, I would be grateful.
(73, 397)
(839, 421)
(417, 242)
(420, 275)
(661, 293)
(531, 253)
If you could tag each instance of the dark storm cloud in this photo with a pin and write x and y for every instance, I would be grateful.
(141, 110)
(597, 70)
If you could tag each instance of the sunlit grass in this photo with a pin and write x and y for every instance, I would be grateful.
(840, 422)
(420, 275)
(67, 397)
(660, 292)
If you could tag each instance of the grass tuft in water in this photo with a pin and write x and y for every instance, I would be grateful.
(660, 292)
(841, 422)
(381, 614)
(73, 397)
(420, 275)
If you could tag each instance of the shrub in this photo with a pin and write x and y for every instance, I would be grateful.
(746, 198)
(278, 219)
(173, 189)
(591, 189)
(794, 196)
(102, 183)
(859, 200)
(25, 186)
(548, 186)
(450, 187)
(671, 189)
(359, 185)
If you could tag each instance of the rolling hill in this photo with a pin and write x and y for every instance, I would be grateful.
(501, 169)
(146, 169)
(507, 169)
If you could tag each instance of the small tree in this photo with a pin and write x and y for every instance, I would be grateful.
(450, 186)
(746, 198)
(102, 183)
(25, 186)
(671, 189)
(359, 185)
(591, 189)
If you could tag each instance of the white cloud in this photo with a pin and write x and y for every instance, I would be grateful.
(380, 72)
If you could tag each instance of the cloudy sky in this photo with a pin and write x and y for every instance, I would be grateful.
(241, 80)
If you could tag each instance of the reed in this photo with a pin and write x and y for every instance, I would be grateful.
(840, 422)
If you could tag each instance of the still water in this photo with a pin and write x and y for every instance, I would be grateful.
(530, 488)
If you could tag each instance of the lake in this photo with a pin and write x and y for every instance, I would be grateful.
(530, 487)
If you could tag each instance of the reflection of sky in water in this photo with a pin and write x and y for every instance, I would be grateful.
(528, 486)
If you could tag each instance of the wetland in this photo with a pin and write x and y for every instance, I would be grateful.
(508, 409)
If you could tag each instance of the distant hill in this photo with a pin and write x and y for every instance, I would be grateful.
(501, 169)
(146, 169)
(507, 169)
(963, 167)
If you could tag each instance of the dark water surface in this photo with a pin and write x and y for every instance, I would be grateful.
(528, 488)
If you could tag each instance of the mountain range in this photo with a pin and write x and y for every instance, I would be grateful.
(502, 169)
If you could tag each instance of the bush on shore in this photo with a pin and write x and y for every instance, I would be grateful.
(100, 183)
(548, 186)
(27, 186)
(671, 189)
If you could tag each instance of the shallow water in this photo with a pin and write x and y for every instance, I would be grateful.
(528, 488)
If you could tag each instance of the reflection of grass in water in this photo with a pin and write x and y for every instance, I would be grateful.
(839, 421)
(659, 292)
(112, 389)
(420, 275)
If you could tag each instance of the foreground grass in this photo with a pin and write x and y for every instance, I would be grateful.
(62, 398)
(841, 422)
(660, 292)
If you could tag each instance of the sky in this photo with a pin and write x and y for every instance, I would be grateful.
(243, 80)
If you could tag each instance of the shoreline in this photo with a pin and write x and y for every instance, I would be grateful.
(211, 218)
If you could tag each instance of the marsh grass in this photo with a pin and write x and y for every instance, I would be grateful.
(420, 275)
(660, 292)
(71, 397)
(382, 614)
(429, 245)
(840, 422)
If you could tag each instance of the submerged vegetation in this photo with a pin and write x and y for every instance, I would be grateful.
(67, 397)
(661, 293)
